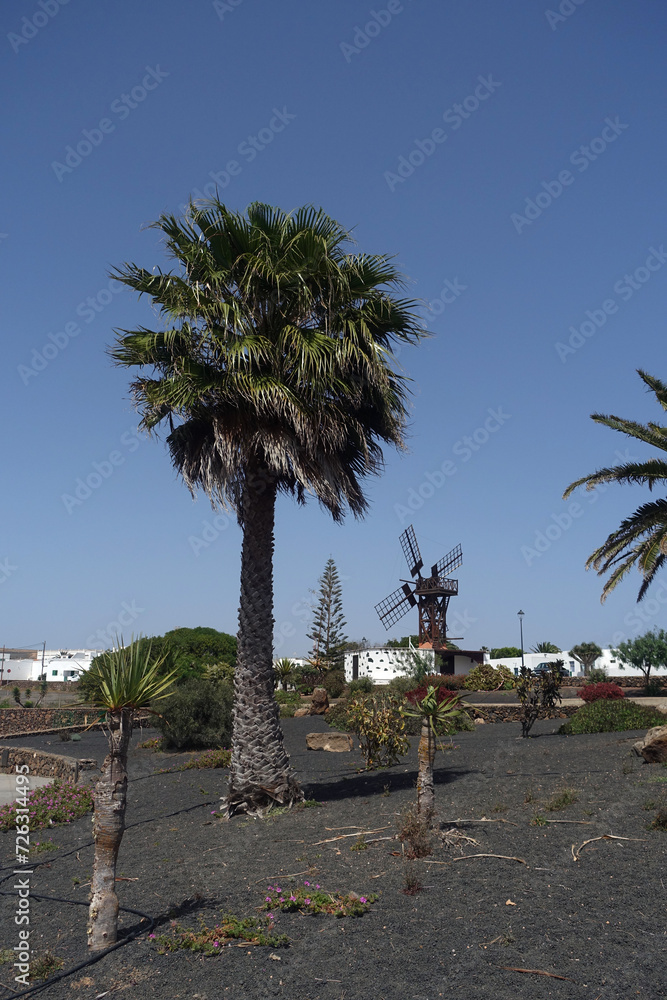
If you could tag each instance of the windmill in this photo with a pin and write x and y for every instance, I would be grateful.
(429, 594)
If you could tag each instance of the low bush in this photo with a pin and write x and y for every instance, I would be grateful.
(334, 683)
(660, 820)
(592, 692)
(612, 716)
(598, 675)
(487, 678)
(451, 681)
(197, 716)
(362, 685)
(414, 833)
(653, 688)
(400, 685)
(380, 729)
(288, 698)
(338, 717)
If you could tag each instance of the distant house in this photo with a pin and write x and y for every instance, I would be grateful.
(49, 665)
(607, 662)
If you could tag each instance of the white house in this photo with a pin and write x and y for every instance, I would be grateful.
(384, 663)
(50, 664)
(607, 661)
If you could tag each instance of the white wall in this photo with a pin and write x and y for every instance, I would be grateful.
(384, 663)
(607, 662)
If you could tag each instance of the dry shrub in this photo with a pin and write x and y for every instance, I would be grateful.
(414, 833)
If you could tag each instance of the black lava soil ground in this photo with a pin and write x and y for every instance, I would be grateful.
(599, 922)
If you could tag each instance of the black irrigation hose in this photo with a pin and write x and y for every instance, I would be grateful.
(98, 955)
(89, 843)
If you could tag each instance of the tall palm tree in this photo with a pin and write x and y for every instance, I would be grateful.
(641, 539)
(275, 375)
(120, 682)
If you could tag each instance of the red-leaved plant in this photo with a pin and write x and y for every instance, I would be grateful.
(441, 694)
(593, 692)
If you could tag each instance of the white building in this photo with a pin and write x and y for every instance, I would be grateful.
(50, 664)
(607, 661)
(384, 663)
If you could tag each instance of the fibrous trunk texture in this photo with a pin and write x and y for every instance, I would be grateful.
(260, 774)
(425, 791)
(108, 825)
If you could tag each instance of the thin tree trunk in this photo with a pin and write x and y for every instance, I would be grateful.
(260, 774)
(426, 754)
(108, 827)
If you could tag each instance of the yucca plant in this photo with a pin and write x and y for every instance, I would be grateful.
(120, 682)
(434, 707)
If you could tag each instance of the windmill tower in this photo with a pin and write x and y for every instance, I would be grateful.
(429, 594)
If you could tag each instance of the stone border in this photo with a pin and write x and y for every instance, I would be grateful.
(42, 764)
(514, 713)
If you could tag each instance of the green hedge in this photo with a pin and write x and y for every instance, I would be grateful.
(605, 716)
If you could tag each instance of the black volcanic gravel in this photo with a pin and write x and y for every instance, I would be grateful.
(600, 921)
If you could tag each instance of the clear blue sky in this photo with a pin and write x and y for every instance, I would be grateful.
(314, 108)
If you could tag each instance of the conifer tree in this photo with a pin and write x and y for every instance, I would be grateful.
(326, 632)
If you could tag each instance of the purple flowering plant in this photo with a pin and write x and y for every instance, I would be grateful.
(49, 805)
(305, 899)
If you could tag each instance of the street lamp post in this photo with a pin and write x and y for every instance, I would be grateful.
(520, 614)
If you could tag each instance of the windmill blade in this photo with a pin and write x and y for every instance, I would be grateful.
(411, 550)
(448, 563)
(396, 605)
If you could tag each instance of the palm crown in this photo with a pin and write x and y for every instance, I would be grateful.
(276, 359)
(641, 539)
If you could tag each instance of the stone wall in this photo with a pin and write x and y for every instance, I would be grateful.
(45, 765)
(15, 721)
(7, 687)
(512, 713)
(624, 681)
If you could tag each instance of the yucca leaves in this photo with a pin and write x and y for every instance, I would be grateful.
(641, 539)
(128, 677)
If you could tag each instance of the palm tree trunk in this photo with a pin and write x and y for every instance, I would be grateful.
(426, 754)
(108, 827)
(260, 774)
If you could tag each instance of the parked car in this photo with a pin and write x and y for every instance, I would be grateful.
(545, 668)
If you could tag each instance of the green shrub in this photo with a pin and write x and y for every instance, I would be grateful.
(220, 672)
(598, 675)
(363, 685)
(338, 717)
(197, 716)
(400, 685)
(334, 683)
(287, 711)
(606, 716)
(487, 678)
(653, 688)
(380, 729)
(288, 698)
